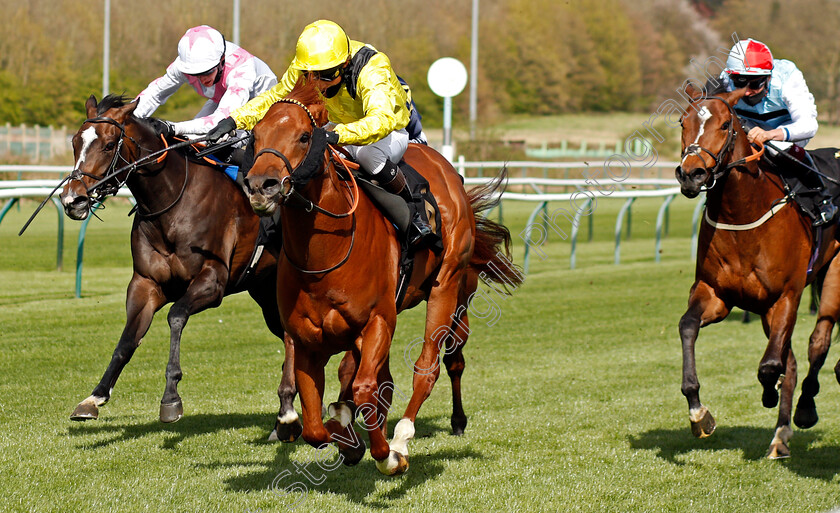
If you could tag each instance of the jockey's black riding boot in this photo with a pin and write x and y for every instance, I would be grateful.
(826, 209)
(393, 180)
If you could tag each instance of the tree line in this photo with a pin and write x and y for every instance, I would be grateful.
(536, 57)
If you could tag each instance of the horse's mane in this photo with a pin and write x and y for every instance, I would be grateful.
(305, 91)
(111, 101)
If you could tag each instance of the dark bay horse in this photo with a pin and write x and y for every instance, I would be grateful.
(754, 251)
(192, 238)
(339, 268)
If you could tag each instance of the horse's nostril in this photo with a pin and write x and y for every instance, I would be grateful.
(270, 185)
(79, 201)
(697, 172)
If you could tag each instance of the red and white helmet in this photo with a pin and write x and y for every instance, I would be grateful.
(749, 57)
(200, 50)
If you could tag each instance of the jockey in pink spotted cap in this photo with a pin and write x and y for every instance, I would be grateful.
(218, 70)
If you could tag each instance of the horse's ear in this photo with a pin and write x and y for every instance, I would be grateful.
(319, 112)
(129, 109)
(90, 107)
(692, 91)
(735, 96)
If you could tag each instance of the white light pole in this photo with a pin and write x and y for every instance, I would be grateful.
(236, 22)
(474, 69)
(106, 43)
(447, 78)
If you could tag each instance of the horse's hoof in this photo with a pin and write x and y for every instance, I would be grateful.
(171, 412)
(702, 422)
(779, 444)
(286, 433)
(353, 454)
(778, 451)
(458, 425)
(394, 465)
(806, 413)
(86, 410)
(770, 397)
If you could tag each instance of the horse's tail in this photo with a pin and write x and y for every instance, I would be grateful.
(491, 258)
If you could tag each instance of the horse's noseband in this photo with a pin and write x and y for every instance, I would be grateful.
(312, 164)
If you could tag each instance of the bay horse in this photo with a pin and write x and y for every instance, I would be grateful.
(754, 252)
(191, 240)
(338, 271)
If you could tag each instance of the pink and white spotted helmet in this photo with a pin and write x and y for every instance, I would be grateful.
(749, 57)
(200, 50)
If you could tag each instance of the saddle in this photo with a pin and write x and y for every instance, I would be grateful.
(806, 187)
(400, 213)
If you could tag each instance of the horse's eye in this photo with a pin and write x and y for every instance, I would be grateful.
(109, 146)
(725, 126)
(304, 137)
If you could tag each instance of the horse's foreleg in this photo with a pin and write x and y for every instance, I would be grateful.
(778, 323)
(704, 307)
(818, 345)
(779, 445)
(143, 299)
(287, 427)
(205, 291)
(309, 375)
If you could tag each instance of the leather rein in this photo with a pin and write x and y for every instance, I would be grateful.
(298, 177)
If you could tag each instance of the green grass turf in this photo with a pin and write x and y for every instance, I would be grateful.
(573, 396)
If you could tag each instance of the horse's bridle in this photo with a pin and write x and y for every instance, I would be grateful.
(311, 166)
(102, 188)
(696, 149)
(718, 171)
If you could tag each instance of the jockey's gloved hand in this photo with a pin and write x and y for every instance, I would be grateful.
(225, 127)
(332, 137)
(164, 128)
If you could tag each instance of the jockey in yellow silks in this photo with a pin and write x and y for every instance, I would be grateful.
(368, 108)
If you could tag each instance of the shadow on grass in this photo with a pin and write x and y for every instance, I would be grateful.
(292, 481)
(189, 426)
(815, 462)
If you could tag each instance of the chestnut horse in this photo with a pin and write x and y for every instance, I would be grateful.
(192, 238)
(339, 269)
(753, 252)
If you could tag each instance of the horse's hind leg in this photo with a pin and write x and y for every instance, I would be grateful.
(818, 345)
(204, 291)
(453, 360)
(346, 373)
(143, 299)
(704, 307)
(287, 427)
(443, 307)
(779, 445)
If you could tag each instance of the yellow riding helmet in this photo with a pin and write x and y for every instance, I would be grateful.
(322, 45)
